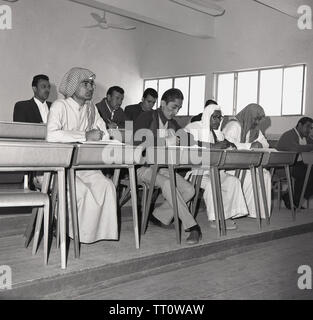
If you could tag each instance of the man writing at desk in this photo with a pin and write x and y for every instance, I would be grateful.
(295, 139)
(162, 125)
(76, 119)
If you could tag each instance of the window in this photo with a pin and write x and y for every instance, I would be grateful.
(279, 90)
(192, 87)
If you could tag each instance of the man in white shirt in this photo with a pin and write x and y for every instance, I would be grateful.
(36, 109)
(76, 119)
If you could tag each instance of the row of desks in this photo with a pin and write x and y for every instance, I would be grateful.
(29, 155)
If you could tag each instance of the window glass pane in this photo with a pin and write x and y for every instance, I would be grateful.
(197, 95)
(183, 85)
(292, 91)
(151, 84)
(164, 84)
(247, 89)
(225, 92)
(271, 91)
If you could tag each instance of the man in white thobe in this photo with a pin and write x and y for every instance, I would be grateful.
(75, 119)
(243, 131)
(206, 132)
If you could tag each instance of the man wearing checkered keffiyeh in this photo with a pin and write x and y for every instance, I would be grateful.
(75, 119)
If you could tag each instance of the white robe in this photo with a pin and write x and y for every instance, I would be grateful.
(96, 194)
(232, 132)
(233, 200)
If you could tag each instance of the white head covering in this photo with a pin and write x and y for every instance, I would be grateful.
(201, 130)
(72, 79)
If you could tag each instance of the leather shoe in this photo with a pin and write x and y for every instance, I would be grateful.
(158, 223)
(194, 237)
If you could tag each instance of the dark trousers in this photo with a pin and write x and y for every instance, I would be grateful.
(298, 173)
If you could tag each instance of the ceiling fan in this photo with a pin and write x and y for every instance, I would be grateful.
(103, 24)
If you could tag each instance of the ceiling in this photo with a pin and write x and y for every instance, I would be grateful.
(180, 15)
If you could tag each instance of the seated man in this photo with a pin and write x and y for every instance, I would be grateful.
(76, 119)
(36, 109)
(295, 139)
(161, 125)
(149, 98)
(199, 116)
(110, 108)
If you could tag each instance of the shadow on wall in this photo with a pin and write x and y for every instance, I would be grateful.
(53, 93)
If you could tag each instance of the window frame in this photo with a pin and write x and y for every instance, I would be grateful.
(283, 67)
(173, 82)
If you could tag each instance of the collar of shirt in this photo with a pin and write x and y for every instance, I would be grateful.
(302, 141)
(43, 109)
(111, 110)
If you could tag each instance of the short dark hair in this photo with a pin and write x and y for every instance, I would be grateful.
(304, 120)
(37, 78)
(210, 102)
(172, 94)
(150, 92)
(115, 88)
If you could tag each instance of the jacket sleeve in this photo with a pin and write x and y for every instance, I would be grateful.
(19, 113)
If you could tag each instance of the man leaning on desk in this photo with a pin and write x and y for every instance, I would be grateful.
(296, 139)
(37, 108)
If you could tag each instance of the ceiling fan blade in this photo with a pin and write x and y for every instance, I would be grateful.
(104, 26)
(97, 17)
(93, 26)
(122, 27)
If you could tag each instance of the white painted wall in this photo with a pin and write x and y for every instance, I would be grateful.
(47, 37)
(249, 35)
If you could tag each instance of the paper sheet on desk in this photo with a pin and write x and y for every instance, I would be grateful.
(264, 149)
(113, 141)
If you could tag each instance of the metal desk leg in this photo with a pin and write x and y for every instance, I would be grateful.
(44, 189)
(74, 213)
(215, 201)
(220, 201)
(263, 191)
(62, 216)
(197, 192)
(305, 183)
(174, 199)
(256, 195)
(30, 227)
(116, 177)
(293, 211)
(150, 193)
(132, 182)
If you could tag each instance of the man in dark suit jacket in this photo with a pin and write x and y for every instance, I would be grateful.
(149, 99)
(36, 109)
(296, 139)
(110, 108)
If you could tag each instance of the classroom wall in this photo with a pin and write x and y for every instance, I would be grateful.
(47, 37)
(249, 35)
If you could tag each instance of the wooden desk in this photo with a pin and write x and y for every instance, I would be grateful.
(40, 156)
(307, 158)
(278, 159)
(245, 160)
(185, 157)
(98, 156)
